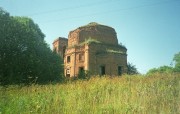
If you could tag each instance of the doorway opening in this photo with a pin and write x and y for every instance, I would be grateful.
(102, 70)
(119, 70)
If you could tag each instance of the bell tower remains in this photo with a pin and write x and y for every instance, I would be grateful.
(60, 45)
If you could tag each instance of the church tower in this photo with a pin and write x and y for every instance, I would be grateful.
(60, 45)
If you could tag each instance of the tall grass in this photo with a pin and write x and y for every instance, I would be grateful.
(100, 95)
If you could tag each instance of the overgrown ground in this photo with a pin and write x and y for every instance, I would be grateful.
(158, 94)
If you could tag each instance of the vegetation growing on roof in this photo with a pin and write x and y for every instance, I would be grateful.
(121, 45)
(90, 24)
(87, 41)
(114, 51)
(91, 40)
(95, 24)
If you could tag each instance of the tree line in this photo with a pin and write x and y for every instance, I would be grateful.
(132, 70)
(168, 69)
(25, 57)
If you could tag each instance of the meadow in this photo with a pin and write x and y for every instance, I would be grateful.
(157, 94)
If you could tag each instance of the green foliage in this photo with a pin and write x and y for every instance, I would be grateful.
(99, 27)
(177, 62)
(131, 69)
(176, 69)
(162, 69)
(93, 24)
(89, 41)
(84, 74)
(114, 51)
(167, 69)
(177, 58)
(100, 95)
(121, 45)
(90, 24)
(24, 55)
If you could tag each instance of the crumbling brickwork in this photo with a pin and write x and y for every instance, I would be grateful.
(60, 45)
(94, 48)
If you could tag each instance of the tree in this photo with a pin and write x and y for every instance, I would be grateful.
(131, 69)
(177, 62)
(24, 55)
(167, 69)
(162, 69)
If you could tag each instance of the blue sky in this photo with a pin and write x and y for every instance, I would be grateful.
(150, 29)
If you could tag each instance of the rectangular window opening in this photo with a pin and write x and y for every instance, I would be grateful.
(68, 59)
(64, 50)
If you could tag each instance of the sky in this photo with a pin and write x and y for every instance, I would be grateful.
(150, 29)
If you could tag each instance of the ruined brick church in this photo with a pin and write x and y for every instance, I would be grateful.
(94, 48)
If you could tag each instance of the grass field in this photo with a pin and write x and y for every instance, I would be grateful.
(158, 94)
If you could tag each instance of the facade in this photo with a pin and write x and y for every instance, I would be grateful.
(94, 48)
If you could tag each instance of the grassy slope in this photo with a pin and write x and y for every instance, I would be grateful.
(137, 94)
